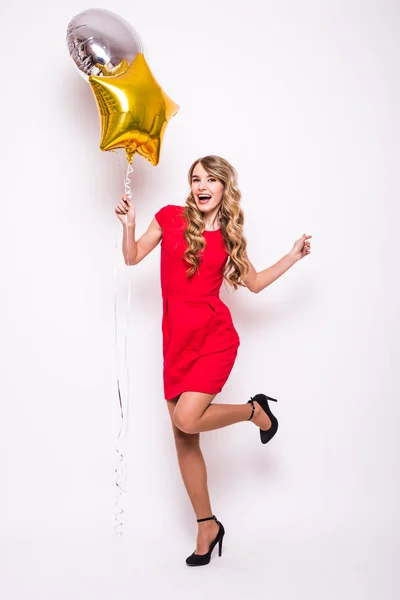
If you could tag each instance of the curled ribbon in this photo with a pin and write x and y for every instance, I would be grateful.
(122, 437)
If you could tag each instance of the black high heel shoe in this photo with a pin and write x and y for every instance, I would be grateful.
(196, 560)
(262, 400)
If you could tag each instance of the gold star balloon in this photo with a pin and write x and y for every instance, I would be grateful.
(134, 110)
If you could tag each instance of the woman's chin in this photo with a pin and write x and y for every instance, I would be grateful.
(205, 208)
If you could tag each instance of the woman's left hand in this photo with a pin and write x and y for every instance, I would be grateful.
(301, 247)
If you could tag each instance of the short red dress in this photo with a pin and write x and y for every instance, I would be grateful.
(200, 342)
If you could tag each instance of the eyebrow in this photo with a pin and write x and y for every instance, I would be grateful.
(199, 176)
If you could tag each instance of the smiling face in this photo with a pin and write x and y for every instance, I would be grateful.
(206, 189)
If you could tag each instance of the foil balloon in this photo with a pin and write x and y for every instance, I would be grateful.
(102, 43)
(134, 110)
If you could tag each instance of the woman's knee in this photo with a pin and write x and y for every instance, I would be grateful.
(183, 439)
(184, 422)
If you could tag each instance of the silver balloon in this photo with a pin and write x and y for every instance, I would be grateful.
(101, 42)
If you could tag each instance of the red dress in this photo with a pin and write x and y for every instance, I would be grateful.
(200, 342)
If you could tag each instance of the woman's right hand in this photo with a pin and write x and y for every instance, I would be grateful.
(125, 211)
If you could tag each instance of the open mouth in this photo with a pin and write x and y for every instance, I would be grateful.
(204, 198)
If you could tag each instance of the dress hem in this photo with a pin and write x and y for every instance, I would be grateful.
(198, 391)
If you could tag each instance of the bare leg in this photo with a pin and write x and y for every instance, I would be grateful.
(194, 475)
(194, 413)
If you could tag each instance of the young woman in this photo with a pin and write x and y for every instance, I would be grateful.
(202, 244)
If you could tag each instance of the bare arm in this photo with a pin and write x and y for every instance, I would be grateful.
(135, 251)
(256, 282)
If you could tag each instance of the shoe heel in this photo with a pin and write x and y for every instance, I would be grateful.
(263, 399)
(194, 559)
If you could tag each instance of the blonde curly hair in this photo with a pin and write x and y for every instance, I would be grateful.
(230, 216)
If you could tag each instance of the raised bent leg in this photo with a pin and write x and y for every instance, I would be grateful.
(194, 413)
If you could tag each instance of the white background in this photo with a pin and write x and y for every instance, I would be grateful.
(302, 98)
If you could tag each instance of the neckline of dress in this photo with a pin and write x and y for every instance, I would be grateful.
(207, 230)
